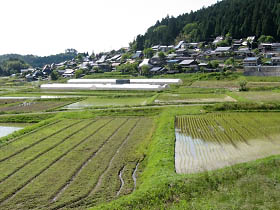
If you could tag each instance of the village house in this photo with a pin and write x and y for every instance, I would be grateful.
(180, 45)
(223, 50)
(265, 47)
(181, 52)
(68, 73)
(138, 55)
(275, 61)
(188, 63)
(275, 47)
(243, 52)
(252, 61)
(218, 39)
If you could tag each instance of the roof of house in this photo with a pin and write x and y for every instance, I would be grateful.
(251, 59)
(172, 61)
(186, 62)
(179, 45)
(275, 58)
(69, 71)
(275, 44)
(145, 62)
(243, 49)
(116, 57)
(138, 54)
(155, 69)
(102, 59)
(222, 49)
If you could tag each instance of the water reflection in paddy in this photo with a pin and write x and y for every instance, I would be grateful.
(6, 130)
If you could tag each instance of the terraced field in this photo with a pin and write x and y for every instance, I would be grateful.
(211, 141)
(192, 98)
(72, 163)
(32, 106)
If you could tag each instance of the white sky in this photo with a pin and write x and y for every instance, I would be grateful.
(44, 27)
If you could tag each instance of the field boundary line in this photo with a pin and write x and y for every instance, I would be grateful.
(8, 197)
(46, 151)
(84, 164)
(134, 175)
(28, 133)
(122, 181)
(39, 141)
(93, 190)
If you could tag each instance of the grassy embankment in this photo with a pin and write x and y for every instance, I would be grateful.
(252, 185)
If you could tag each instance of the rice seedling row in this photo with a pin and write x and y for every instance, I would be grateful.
(89, 179)
(33, 106)
(13, 165)
(216, 140)
(75, 165)
(29, 141)
(125, 153)
(18, 179)
(28, 133)
(55, 157)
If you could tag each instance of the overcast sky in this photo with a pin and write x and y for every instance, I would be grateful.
(44, 27)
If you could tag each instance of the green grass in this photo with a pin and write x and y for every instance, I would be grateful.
(109, 101)
(80, 152)
(162, 188)
(169, 98)
(257, 96)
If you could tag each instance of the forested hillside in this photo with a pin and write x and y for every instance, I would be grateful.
(38, 61)
(240, 18)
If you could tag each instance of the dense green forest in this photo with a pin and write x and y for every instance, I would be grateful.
(240, 18)
(37, 61)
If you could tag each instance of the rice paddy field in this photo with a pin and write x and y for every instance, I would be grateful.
(233, 84)
(96, 101)
(73, 163)
(168, 98)
(257, 96)
(38, 105)
(212, 141)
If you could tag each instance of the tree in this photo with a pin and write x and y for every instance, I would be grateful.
(214, 64)
(13, 66)
(145, 70)
(79, 73)
(148, 52)
(266, 39)
(161, 56)
(54, 75)
(243, 84)
(128, 68)
(230, 61)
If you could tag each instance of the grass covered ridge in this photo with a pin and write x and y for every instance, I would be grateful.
(253, 185)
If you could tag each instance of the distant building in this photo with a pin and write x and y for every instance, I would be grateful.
(275, 61)
(252, 61)
(223, 50)
(180, 45)
(188, 63)
(138, 54)
(218, 39)
(68, 73)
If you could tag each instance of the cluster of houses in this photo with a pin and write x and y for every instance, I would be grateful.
(184, 57)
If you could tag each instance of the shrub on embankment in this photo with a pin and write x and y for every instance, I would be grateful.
(243, 106)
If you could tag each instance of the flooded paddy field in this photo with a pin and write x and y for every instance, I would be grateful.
(212, 141)
(6, 129)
